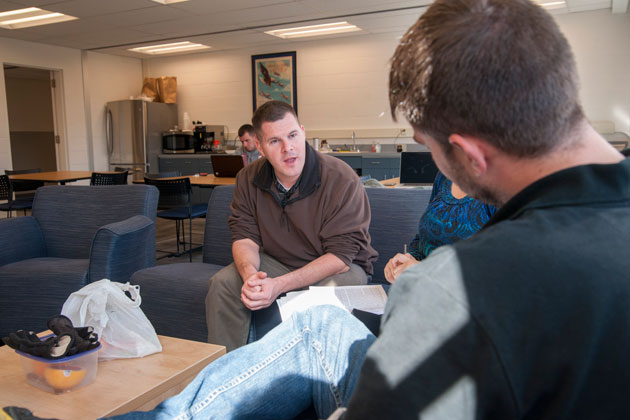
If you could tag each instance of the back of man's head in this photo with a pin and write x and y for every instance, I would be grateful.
(269, 112)
(500, 70)
(245, 128)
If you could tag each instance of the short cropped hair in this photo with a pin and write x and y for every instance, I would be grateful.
(245, 128)
(500, 70)
(269, 112)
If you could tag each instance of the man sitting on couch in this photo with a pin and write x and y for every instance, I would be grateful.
(299, 218)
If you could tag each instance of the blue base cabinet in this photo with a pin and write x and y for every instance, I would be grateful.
(377, 167)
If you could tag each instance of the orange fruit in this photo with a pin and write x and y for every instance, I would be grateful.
(38, 368)
(64, 379)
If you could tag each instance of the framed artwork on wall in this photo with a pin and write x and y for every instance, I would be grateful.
(274, 78)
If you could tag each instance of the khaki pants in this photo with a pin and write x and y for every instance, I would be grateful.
(228, 319)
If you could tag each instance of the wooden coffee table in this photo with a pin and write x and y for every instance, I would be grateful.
(121, 385)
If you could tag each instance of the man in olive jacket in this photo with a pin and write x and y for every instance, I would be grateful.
(299, 218)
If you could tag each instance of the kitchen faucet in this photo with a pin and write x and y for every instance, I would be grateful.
(354, 144)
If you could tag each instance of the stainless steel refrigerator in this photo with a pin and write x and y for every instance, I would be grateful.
(134, 134)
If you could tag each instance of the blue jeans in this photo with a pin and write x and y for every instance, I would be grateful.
(313, 358)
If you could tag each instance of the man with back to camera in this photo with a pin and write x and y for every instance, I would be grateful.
(298, 218)
(529, 318)
(248, 148)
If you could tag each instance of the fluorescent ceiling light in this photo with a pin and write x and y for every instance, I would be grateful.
(314, 30)
(168, 1)
(551, 4)
(170, 48)
(31, 16)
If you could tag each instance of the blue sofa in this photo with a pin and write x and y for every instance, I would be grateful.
(75, 235)
(173, 295)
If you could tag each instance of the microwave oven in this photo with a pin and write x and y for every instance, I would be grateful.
(178, 142)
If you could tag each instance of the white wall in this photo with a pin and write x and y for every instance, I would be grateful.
(110, 78)
(68, 61)
(601, 44)
(342, 82)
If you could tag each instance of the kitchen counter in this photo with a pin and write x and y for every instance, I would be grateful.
(377, 165)
(187, 155)
(366, 154)
(336, 154)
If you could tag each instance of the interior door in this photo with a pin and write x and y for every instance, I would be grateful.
(31, 118)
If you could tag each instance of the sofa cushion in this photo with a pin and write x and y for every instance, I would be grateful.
(217, 247)
(395, 216)
(174, 298)
(42, 282)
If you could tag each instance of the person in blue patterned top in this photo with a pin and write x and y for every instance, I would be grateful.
(450, 216)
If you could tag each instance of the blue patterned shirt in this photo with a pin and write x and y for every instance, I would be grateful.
(447, 219)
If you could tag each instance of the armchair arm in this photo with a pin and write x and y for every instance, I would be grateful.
(21, 238)
(118, 249)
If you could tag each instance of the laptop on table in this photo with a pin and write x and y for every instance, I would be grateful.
(226, 166)
(417, 169)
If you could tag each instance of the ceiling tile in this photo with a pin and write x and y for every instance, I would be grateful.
(79, 27)
(87, 8)
(336, 7)
(217, 6)
(24, 36)
(138, 17)
(34, 3)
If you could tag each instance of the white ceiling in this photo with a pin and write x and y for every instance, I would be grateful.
(114, 26)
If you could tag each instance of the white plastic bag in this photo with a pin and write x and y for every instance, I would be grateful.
(122, 327)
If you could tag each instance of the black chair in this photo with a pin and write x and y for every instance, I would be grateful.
(6, 194)
(109, 178)
(175, 203)
(23, 189)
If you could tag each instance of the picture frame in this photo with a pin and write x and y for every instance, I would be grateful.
(274, 78)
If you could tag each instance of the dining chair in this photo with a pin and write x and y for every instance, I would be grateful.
(23, 189)
(109, 178)
(6, 194)
(175, 203)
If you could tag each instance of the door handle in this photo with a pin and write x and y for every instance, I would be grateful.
(108, 132)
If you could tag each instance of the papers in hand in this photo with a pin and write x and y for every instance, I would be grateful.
(366, 298)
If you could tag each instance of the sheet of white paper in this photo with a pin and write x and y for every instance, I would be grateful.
(370, 298)
(367, 298)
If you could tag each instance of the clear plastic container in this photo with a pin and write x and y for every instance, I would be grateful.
(60, 375)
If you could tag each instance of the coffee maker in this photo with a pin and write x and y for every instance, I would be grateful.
(206, 135)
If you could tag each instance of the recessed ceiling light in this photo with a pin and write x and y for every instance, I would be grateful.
(170, 48)
(168, 1)
(551, 4)
(31, 16)
(314, 30)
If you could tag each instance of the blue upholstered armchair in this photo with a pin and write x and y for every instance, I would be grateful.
(75, 235)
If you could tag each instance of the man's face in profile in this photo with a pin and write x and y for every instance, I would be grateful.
(449, 164)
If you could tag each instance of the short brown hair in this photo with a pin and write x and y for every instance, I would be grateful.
(245, 128)
(497, 69)
(269, 112)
